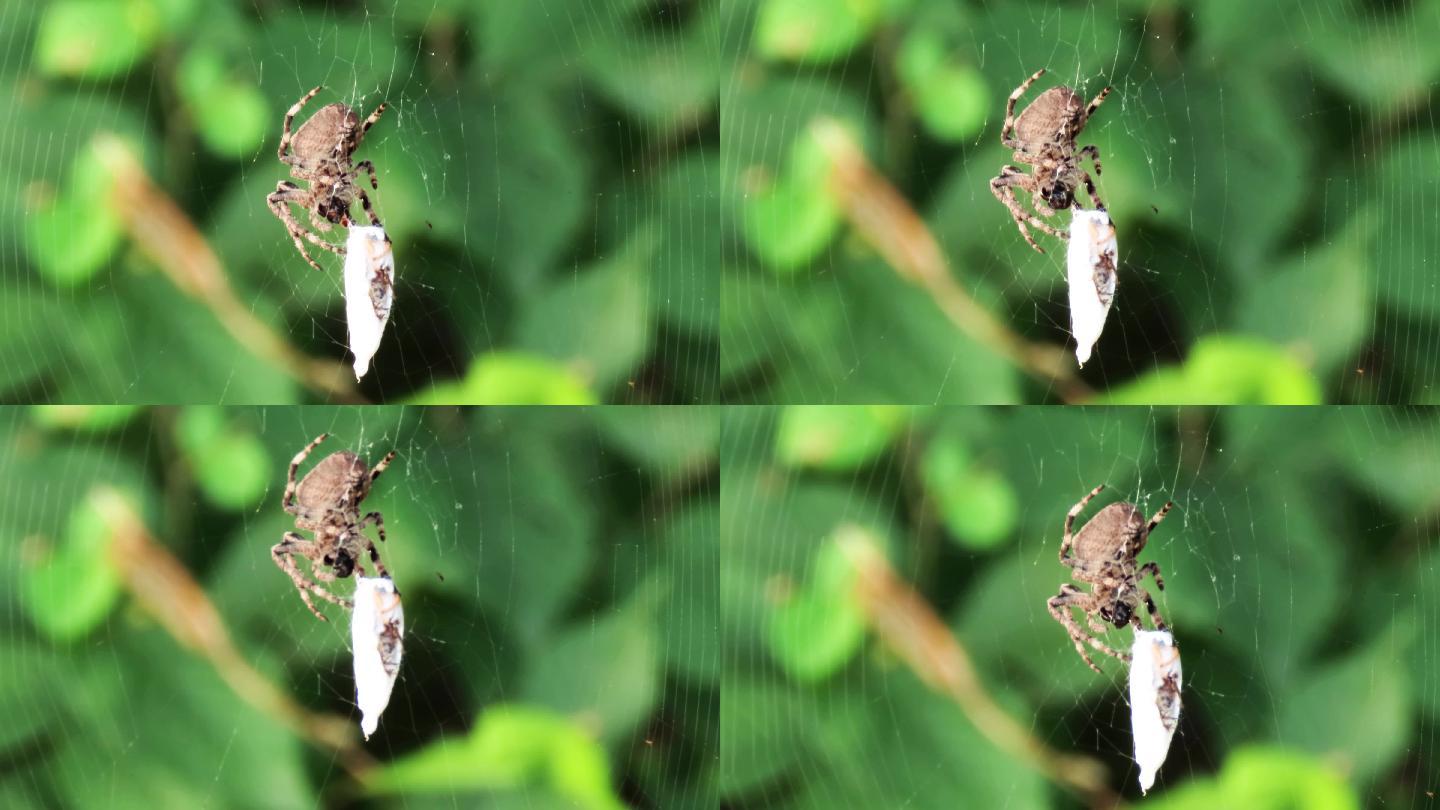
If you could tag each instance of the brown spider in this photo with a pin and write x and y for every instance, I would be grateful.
(1043, 137)
(326, 502)
(1104, 556)
(322, 150)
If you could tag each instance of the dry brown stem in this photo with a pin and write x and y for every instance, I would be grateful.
(169, 239)
(906, 624)
(163, 587)
(887, 222)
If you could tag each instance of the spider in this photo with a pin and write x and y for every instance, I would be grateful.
(322, 149)
(326, 502)
(1104, 556)
(1043, 137)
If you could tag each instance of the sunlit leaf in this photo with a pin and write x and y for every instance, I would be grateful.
(95, 38)
(69, 589)
(512, 747)
(836, 437)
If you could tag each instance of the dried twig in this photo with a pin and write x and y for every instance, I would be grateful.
(165, 590)
(885, 220)
(906, 624)
(170, 240)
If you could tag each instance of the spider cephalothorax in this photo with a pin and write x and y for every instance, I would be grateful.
(1043, 138)
(321, 152)
(1104, 558)
(326, 502)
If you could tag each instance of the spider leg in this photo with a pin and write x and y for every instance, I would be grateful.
(374, 517)
(288, 501)
(1007, 130)
(277, 202)
(1096, 626)
(1090, 110)
(290, 116)
(365, 203)
(379, 468)
(1155, 617)
(375, 558)
(1093, 153)
(1153, 569)
(1003, 187)
(1090, 189)
(316, 222)
(1059, 607)
(1154, 521)
(375, 184)
(1070, 516)
(284, 555)
(369, 122)
(287, 192)
(1038, 201)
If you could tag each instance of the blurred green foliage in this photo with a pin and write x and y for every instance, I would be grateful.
(560, 597)
(1266, 194)
(1301, 573)
(548, 180)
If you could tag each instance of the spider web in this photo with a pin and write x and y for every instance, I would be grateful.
(1256, 161)
(541, 175)
(1300, 569)
(557, 568)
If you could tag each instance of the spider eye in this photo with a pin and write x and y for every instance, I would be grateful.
(1059, 197)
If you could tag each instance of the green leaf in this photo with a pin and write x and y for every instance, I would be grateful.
(979, 506)
(511, 378)
(813, 30)
(68, 591)
(32, 693)
(1358, 708)
(233, 119)
(512, 748)
(815, 632)
(1225, 370)
(690, 620)
(763, 734)
(70, 239)
(903, 745)
(231, 114)
(96, 418)
(789, 224)
(1404, 247)
(125, 702)
(671, 442)
(230, 463)
(952, 99)
(598, 324)
(670, 84)
(1317, 302)
(836, 437)
(1263, 778)
(95, 38)
(899, 347)
(603, 669)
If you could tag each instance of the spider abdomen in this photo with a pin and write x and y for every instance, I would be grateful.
(318, 137)
(1107, 536)
(1049, 117)
(330, 481)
